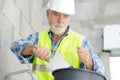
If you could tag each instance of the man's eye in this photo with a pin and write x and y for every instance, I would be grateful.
(56, 14)
(66, 16)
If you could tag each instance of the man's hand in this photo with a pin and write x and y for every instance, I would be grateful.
(85, 57)
(42, 52)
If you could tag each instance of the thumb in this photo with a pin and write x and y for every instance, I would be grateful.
(34, 49)
(79, 47)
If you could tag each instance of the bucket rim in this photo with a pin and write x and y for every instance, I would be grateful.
(75, 69)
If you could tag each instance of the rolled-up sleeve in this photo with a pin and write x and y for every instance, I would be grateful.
(98, 65)
(18, 45)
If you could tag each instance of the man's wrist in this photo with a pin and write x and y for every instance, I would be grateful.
(28, 50)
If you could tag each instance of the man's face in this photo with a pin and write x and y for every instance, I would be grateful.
(58, 21)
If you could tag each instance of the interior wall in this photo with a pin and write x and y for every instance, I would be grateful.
(19, 18)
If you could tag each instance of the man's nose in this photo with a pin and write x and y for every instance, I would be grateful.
(60, 19)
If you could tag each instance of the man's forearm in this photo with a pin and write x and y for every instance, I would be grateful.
(90, 65)
(28, 50)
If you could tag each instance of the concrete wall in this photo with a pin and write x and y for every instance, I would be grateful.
(19, 18)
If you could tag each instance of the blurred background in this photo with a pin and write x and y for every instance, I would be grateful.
(98, 20)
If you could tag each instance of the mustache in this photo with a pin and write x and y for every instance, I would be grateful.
(59, 25)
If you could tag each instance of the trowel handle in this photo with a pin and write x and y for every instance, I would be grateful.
(82, 65)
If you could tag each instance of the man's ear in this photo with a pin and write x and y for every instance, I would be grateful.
(48, 14)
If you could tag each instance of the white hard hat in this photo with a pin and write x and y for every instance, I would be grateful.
(63, 6)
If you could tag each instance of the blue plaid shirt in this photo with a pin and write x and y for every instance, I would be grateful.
(18, 45)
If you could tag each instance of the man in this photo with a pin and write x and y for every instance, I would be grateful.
(39, 47)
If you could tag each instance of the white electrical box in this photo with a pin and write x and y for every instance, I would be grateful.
(111, 37)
